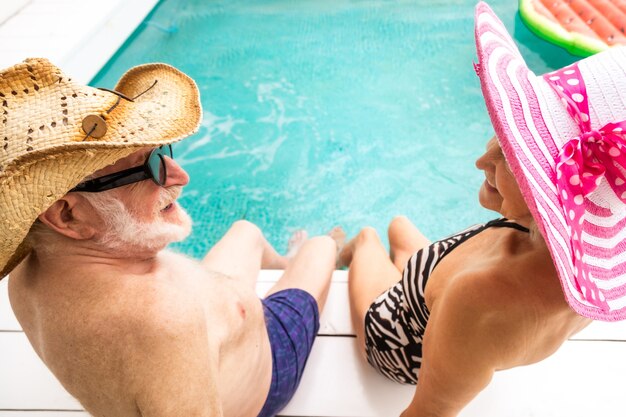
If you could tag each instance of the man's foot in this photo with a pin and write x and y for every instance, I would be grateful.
(295, 242)
(344, 257)
(367, 234)
(339, 236)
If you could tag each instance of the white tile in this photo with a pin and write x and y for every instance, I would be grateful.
(26, 383)
(19, 48)
(101, 44)
(7, 318)
(63, 6)
(582, 379)
(8, 8)
(601, 330)
(30, 26)
(337, 382)
(65, 31)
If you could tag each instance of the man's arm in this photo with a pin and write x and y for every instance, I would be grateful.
(474, 329)
(171, 366)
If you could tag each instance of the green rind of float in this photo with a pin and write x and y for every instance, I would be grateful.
(574, 43)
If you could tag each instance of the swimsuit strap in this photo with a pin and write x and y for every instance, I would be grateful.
(450, 243)
(504, 222)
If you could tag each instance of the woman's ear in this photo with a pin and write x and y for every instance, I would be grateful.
(70, 216)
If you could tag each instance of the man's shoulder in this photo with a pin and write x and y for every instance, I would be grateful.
(165, 300)
(160, 308)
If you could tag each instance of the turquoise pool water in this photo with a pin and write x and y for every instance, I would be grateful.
(318, 113)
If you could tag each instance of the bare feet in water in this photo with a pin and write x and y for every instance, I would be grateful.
(295, 242)
(300, 236)
(344, 259)
(339, 236)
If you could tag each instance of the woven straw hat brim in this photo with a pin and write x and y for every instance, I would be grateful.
(45, 152)
(532, 125)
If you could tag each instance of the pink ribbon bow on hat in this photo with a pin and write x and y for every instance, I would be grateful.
(582, 163)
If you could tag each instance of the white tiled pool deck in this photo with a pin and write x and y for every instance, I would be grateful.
(78, 36)
(584, 378)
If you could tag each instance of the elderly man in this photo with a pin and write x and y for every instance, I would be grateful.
(88, 203)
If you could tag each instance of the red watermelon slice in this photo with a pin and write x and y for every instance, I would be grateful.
(583, 27)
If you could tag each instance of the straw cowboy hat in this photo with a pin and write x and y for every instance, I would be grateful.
(563, 135)
(55, 132)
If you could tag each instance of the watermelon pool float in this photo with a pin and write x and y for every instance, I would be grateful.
(583, 27)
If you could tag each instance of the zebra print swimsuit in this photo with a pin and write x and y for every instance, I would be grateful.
(396, 320)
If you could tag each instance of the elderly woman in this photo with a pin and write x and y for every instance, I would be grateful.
(446, 315)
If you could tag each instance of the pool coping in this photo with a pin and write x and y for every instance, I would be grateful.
(78, 36)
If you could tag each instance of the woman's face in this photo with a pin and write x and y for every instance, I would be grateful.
(500, 191)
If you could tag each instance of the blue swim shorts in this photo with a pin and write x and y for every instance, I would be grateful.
(292, 321)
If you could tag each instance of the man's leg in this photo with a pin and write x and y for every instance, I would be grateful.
(371, 273)
(242, 252)
(292, 308)
(404, 240)
(310, 269)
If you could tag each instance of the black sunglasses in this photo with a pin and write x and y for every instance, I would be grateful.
(154, 168)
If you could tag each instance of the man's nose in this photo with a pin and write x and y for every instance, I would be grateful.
(176, 175)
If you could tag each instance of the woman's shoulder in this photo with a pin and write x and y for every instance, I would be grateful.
(508, 287)
(520, 283)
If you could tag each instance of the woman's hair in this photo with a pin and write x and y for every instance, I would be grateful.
(533, 228)
(535, 234)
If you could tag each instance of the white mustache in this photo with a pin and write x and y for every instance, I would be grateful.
(169, 195)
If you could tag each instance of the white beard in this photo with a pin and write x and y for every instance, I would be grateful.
(124, 231)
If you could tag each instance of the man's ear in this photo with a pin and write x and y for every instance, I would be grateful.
(70, 217)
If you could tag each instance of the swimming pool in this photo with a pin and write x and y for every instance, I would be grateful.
(318, 113)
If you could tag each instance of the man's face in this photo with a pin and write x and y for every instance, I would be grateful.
(142, 215)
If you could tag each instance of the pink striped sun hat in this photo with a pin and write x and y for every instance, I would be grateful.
(564, 137)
